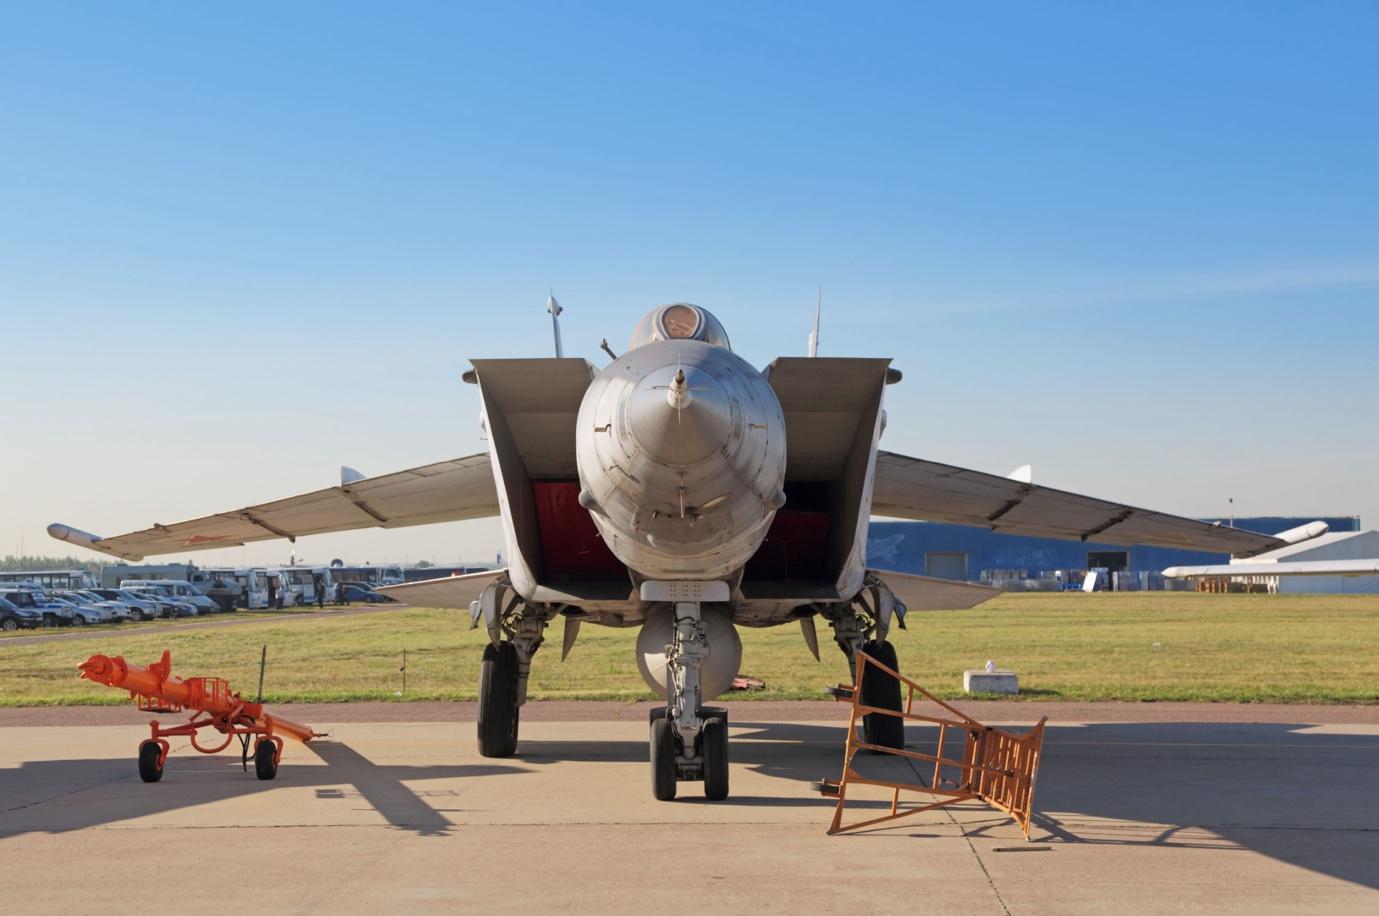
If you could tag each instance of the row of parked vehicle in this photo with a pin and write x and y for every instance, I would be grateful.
(29, 607)
(24, 607)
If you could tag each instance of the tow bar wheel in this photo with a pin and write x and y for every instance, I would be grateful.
(266, 759)
(150, 761)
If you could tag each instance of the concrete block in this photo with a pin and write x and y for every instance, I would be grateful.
(979, 680)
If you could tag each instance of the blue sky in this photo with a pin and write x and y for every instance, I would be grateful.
(1135, 245)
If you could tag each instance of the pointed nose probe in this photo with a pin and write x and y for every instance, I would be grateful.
(678, 391)
(680, 419)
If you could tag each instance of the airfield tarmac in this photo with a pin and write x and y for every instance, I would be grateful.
(1143, 808)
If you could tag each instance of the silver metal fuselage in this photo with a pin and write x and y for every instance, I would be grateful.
(681, 456)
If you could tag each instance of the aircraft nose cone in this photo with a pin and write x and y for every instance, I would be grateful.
(680, 416)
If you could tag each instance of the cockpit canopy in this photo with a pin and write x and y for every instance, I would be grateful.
(680, 321)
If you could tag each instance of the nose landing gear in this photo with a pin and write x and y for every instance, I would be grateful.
(689, 741)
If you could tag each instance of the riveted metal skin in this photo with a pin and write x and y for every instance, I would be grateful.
(681, 457)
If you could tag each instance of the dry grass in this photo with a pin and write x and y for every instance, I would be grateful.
(1150, 646)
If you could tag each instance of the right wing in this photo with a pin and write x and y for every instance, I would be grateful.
(1295, 568)
(929, 491)
(447, 491)
(925, 593)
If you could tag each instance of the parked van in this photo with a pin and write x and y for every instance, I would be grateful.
(180, 591)
(222, 589)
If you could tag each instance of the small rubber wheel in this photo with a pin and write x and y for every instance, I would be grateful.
(150, 770)
(662, 759)
(265, 760)
(882, 691)
(714, 745)
(498, 716)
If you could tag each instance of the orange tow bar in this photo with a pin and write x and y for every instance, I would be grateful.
(213, 706)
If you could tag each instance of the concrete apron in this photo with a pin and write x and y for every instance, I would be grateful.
(1148, 817)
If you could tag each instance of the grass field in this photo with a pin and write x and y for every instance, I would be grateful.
(1146, 646)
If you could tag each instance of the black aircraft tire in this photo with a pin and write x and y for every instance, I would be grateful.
(150, 770)
(882, 691)
(498, 701)
(265, 760)
(663, 770)
(715, 751)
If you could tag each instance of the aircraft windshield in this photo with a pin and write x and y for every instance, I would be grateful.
(680, 321)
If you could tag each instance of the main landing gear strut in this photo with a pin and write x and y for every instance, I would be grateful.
(515, 632)
(862, 626)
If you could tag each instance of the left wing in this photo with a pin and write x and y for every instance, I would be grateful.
(446, 592)
(446, 491)
(926, 490)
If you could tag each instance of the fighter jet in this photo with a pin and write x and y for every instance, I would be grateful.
(681, 490)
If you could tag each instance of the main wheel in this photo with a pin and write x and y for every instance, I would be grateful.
(150, 770)
(9, 624)
(662, 759)
(498, 701)
(78, 620)
(882, 691)
(266, 760)
(136, 615)
(714, 748)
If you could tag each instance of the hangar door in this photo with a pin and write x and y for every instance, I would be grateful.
(1113, 560)
(946, 566)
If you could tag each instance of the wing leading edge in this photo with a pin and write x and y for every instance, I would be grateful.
(926, 490)
(447, 491)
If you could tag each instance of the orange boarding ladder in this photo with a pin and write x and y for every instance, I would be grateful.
(995, 766)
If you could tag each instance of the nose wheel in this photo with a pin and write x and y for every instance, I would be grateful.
(671, 765)
(663, 769)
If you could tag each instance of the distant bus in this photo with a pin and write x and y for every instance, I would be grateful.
(297, 584)
(372, 576)
(253, 586)
(423, 573)
(50, 578)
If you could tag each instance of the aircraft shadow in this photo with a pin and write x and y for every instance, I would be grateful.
(1297, 794)
(86, 793)
(1306, 797)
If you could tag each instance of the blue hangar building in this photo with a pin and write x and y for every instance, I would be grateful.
(979, 555)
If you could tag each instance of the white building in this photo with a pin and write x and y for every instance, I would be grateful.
(1340, 545)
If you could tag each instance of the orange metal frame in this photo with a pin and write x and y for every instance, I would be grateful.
(997, 767)
(214, 705)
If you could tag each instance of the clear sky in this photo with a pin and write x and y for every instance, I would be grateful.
(1136, 245)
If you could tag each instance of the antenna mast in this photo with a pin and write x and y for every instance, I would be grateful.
(814, 334)
(554, 308)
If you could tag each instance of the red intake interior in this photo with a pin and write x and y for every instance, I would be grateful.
(796, 548)
(570, 544)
